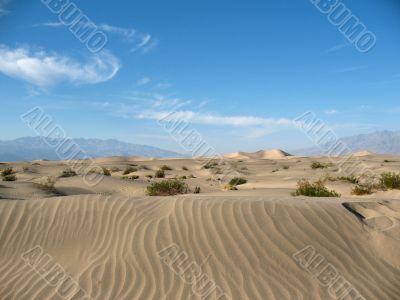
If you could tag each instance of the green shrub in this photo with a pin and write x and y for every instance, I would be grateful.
(197, 190)
(106, 172)
(132, 177)
(351, 179)
(361, 190)
(167, 188)
(165, 168)
(318, 165)
(231, 187)
(317, 189)
(11, 177)
(6, 172)
(115, 169)
(390, 181)
(159, 174)
(210, 165)
(48, 183)
(237, 181)
(129, 170)
(68, 173)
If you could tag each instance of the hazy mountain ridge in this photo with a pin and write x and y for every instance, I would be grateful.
(380, 142)
(32, 148)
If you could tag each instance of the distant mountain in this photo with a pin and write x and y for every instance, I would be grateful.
(381, 142)
(32, 148)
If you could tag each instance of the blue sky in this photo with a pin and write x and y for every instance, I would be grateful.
(239, 71)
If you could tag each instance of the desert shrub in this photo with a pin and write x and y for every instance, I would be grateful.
(184, 168)
(106, 172)
(68, 173)
(133, 177)
(360, 190)
(167, 188)
(275, 170)
(318, 165)
(165, 168)
(143, 167)
(11, 177)
(197, 190)
(237, 181)
(182, 177)
(149, 176)
(352, 179)
(210, 165)
(390, 180)
(285, 167)
(159, 174)
(48, 183)
(231, 187)
(316, 189)
(6, 172)
(129, 170)
(25, 168)
(115, 169)
(191, 176)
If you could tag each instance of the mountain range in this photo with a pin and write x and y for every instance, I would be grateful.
(34, 148)
(380, 142)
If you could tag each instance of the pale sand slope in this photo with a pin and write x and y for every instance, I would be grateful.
(244, 244)
(266, 177)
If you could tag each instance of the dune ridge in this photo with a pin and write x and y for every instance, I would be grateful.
(262, 154)
(109, 245)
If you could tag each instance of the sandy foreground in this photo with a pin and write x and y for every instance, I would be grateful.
(111, 241)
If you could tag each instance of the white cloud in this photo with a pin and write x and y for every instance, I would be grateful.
(129, 34)
(143, 81)
(139, 40)
(210, 119)
(337, 47)
(330, 111)
(46, 69)
(3, 10)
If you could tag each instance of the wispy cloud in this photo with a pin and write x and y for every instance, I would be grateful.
(3, 10)
(46, 69)
(143, 81)
(337, 47)
(138, 40)
(330, 111)
(211, 119)
(350, 69)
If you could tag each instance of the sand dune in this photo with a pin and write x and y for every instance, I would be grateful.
(262, 154)
(362, 153)
(108, 237)
(110, 246)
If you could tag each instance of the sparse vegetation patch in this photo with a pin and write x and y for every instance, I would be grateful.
(390, 180)
(68, 173)
(316, 189)
(129, 170)
(159, 174)
(167, 188)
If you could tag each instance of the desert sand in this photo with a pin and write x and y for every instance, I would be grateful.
(116, 243)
